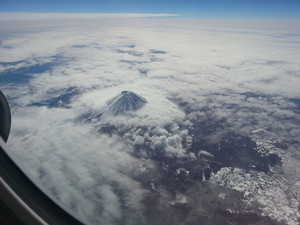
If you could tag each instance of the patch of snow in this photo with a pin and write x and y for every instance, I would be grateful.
(271, 192)
(179, 199)
(182, 170)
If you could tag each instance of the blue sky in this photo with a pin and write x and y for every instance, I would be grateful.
(188, 8)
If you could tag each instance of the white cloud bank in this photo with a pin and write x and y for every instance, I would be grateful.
(192, 72)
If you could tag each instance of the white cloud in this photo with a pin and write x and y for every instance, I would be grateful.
(193, 73)
(73, 163)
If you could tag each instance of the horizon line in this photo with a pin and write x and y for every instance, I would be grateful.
(14, 16)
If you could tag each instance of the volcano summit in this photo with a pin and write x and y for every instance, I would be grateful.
(124, 102)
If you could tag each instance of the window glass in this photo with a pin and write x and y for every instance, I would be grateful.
(135, 119)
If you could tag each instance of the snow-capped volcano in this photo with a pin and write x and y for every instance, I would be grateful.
(123, 102)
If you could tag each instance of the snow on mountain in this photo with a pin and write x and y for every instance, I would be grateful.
(123, 102)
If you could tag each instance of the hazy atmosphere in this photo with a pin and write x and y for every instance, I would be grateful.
(156, 118)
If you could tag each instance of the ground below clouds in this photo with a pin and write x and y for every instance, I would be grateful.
(216, 143)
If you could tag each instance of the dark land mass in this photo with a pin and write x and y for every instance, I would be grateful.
(63, 100)
(188, 176)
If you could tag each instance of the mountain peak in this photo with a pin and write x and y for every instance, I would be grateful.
(124, 102)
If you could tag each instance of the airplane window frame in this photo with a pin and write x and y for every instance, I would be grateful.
(19, 193)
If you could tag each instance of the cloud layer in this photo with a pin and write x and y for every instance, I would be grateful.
(202, 80)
